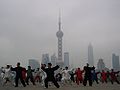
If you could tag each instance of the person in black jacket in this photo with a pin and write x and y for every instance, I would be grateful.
(88, 75)
(18, 71)
(50, 74)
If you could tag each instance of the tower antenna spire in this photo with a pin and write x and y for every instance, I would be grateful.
(59, 20)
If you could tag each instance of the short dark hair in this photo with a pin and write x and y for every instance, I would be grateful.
(18, 63)
(50, 64)
(66, 67)
(8, 66)
(29, 66)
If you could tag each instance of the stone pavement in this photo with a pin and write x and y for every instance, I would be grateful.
(107, 86)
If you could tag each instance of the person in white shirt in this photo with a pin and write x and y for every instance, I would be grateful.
(7, 74)
(43, 76)
(65, 76)
(1, 75)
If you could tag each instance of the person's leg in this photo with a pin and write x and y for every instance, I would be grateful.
(16, 81)
(46, 83)
(85, 81)
(6, 80)
(42, 82)
(111, 81)
(27, 80)
(90, 82)
(77, 81)
(97, 81)
(117, 81)
(22, 81)
(81, 80)
(55, 83)
(32, 80)
(102, 80)
(35, 79)
(106, 80)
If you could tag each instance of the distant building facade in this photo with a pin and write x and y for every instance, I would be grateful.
(45, 59)
(115, 62)
(66, 59)
(90, 55)
(101, 65)
(53, 59)
(34, 63)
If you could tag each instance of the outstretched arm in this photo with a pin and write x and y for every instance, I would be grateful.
(117, 72)
(13, 69)
(55, 68)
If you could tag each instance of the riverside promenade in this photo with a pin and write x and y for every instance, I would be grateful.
(104, 86)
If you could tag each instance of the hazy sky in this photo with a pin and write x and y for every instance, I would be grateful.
(28, 29)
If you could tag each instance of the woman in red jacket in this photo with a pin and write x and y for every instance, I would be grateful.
(113, 76)
(104, 76)
(79, 77)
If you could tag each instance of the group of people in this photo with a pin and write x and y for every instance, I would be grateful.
(14, 75)
(58, 76)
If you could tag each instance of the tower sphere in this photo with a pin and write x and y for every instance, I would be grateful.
(59, 34)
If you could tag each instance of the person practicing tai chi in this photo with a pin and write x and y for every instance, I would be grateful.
(7, 75)
(18, 71)
(79, 76)
(50, 74)
(30, 75)
(87, 76)
(114, 76)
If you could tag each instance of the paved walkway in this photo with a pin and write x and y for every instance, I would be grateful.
(67, 87)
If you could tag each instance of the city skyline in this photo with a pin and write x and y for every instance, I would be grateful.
(28, 28)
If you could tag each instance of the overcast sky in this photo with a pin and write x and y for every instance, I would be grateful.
(28, 29)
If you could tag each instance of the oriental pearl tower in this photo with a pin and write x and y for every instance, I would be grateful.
(59, 35)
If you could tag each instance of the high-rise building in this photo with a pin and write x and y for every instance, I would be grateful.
(45, 59)
(115, 62)
(101, 65)
(34, 63)
(90, 55)
(59, 35)
(53, 59)
(66, 59)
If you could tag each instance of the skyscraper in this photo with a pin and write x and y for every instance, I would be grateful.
(53, 59)
(45, 59)
(59, 35)
(115, 62)
(66, 59)
(34, 63)
(90, 55)
(100, 65)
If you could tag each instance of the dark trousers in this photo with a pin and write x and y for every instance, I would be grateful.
(21, 79)
(112, 81)
(96, 81)
(31, 79)
(87, 78)
(53, 80)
